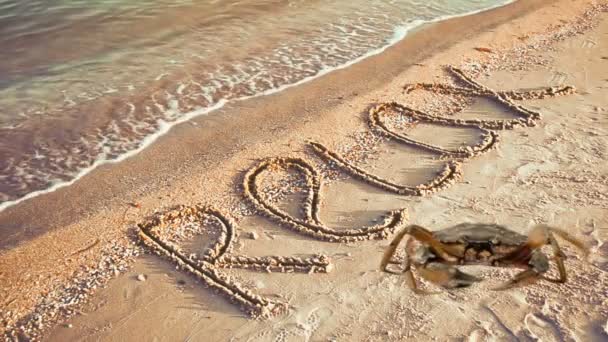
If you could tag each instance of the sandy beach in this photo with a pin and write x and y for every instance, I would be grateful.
(295, 265)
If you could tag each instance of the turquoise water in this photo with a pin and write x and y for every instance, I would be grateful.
(87, 82)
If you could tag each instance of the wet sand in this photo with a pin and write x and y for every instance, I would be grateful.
(553, 173)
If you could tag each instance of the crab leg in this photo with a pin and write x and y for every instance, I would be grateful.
(409, 276)
(543, 234)
(390, 251)
(421, 234)
(537, 264)
(539, 236)
(407, 269)
(446, 275)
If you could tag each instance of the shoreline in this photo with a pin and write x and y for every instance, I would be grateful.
(236, 142)
(20, 214)
(400, 33)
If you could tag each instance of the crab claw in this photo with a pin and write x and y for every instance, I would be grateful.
(527, 276)
(447, 276)
(462, 279)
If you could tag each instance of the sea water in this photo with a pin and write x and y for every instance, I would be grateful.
(86, 82)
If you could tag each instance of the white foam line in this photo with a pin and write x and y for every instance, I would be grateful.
(399, 34)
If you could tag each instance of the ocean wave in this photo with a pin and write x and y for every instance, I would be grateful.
(131, 115)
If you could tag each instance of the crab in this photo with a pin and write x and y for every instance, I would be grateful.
(435, 254)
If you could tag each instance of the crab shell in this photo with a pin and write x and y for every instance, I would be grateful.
(475, 243)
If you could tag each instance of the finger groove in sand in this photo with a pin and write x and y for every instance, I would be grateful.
(525, 117)
(218, 256)
(452, 171)
(312, 225)
(489, 139)
(450, 174)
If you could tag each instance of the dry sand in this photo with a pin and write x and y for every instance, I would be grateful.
(552, 173)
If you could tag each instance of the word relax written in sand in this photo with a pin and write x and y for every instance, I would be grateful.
(160, 232)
